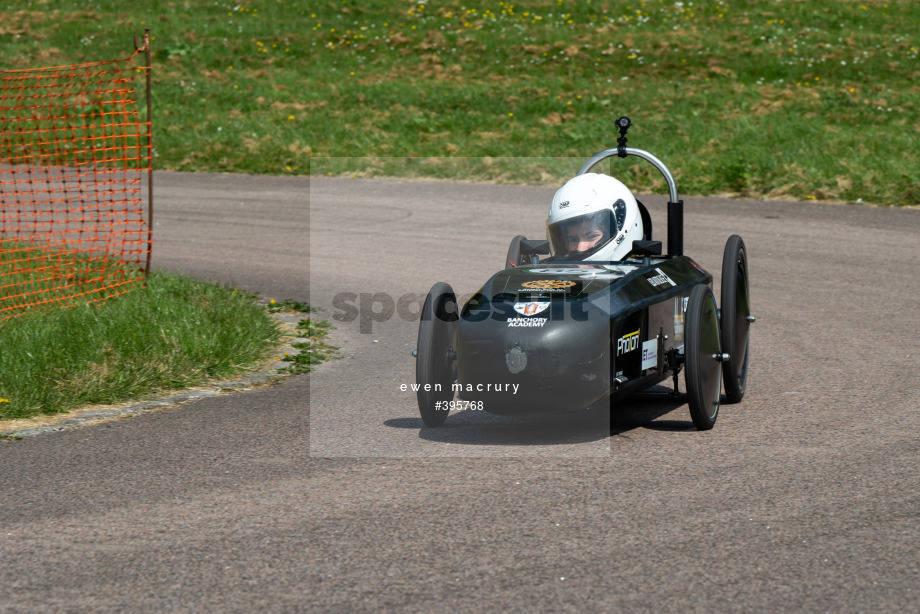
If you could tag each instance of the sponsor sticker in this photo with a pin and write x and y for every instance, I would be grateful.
(608, 273)
(584, 269)
(625, 269)
(650, 354)
(532, 308)
(555, 270)
(627, 343)
(527, 322)
(564, 204)
(660, 279)
(548, 284)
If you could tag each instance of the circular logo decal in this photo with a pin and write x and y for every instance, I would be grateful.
(548, 284)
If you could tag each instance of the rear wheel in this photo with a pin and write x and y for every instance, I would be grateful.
(703, 356)
(436, 359)
(736, 318)
(514, 252)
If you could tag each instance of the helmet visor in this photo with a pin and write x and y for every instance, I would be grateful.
(579, 237)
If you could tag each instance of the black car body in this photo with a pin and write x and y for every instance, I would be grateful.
(563, 336)
(593, 329)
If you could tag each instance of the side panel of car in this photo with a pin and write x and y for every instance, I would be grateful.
(532, 339)
(626, 343)
(641, 341)
(647, 329)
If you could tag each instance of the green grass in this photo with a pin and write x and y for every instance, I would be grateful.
(33, 277)
(811, 99)
(174, 334)
(314, 350)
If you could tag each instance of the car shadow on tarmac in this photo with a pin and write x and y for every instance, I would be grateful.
(477, 428)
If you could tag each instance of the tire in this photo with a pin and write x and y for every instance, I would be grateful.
(735, 323)
(436, 359)
(702, 353)
(514, 252)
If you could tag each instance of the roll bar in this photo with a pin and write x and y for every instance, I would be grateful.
(641, 153)
(675, 205)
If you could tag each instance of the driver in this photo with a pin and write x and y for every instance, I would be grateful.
(584, 232)
(593, 217)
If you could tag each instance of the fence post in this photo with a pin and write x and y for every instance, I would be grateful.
(146, 49)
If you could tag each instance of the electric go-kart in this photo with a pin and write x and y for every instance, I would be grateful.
(559, 335)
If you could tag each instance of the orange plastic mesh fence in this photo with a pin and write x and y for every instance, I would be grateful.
(74, 226)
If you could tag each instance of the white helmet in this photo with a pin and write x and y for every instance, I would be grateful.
(593, 217)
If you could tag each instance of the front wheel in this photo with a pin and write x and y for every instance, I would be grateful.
(703, 357)
(436, 358)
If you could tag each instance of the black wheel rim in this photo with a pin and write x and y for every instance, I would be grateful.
(703, 358)
(436, 365)
(739, 349)
(735, 322)
(710, 373)
(444, 342)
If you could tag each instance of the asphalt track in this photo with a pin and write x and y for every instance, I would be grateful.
(325, 493)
